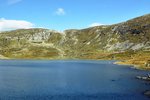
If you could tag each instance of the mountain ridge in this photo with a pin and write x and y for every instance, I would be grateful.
(101, 42)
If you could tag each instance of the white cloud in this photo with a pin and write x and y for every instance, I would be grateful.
(14, 24)
(11, 2)
(95, 24)
(60, 11)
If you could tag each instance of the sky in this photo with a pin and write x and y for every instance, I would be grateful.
(68, 14)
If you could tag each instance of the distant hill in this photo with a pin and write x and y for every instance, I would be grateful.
(119, 41)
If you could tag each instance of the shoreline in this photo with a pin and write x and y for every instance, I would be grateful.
(136, 66)
(3, 57)
(117, 62)
(122, 63)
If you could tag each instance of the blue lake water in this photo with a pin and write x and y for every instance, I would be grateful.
(69, 80)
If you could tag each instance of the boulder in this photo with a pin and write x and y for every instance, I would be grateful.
(147, 93)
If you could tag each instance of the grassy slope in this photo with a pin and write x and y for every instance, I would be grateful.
(140, 59)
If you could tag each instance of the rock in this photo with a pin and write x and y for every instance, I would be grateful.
(113, 80)
(147, 93)
(146, 78)
(147, 64)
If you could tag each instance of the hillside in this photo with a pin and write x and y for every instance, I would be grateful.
(128, 41)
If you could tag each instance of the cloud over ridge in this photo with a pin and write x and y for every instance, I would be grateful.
(6, 24)
(95, 24)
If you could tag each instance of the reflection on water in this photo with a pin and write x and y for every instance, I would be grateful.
(69, 80)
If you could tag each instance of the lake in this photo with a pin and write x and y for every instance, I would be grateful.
(70, 80)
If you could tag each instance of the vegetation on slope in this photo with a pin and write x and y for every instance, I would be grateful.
(128, 41)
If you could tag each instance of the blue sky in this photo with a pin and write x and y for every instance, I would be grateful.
(68, 14)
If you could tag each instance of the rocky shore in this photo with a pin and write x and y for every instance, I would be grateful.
(144, 66)
(145, 78)
(3, 57)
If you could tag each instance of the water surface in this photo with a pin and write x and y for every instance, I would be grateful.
(69, 80)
